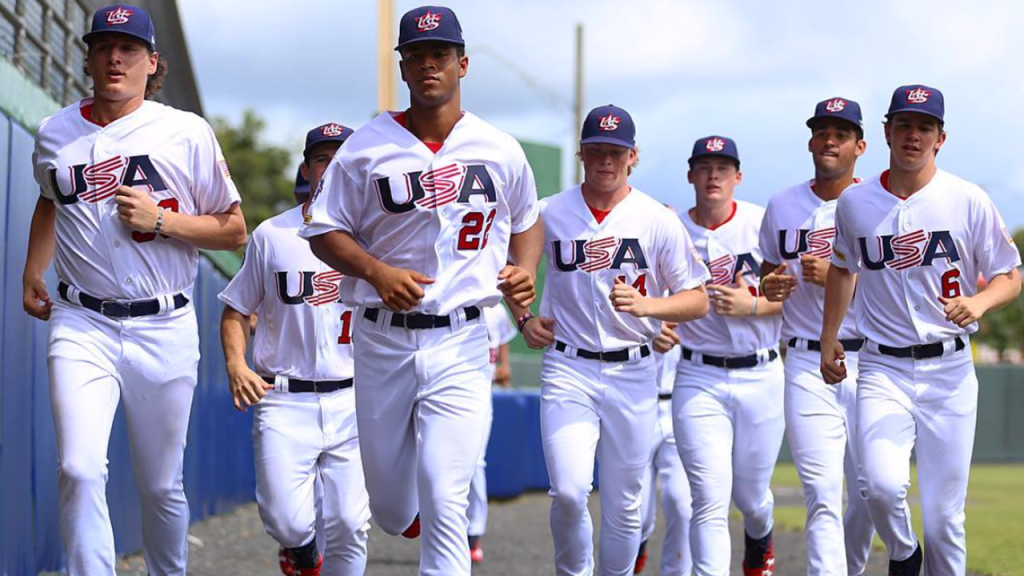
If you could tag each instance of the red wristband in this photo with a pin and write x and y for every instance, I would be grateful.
(523, 320)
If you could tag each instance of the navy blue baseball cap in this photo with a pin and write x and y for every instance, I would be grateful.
(436, 23)
(841, 108)
(330, 132)
(715, 146)
(918, 98)
(124, 19)
(301, 184)
(609, 125)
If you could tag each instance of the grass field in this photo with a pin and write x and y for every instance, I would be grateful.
(995, 516)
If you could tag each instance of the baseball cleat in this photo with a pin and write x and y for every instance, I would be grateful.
(641, 558)
(909, 567)
(476, 551)
(759, 556)
(413, 531)
(312, 571)
(285, 561)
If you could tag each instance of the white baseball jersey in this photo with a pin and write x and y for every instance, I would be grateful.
(447, 215)
(640, 242)
(797, 222)
(910, 252)
(500, 329)
(729, 249)
(174, 155)
(304, 331)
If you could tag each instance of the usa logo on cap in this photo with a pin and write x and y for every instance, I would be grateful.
(428, 21)
(715, 145)
(119, 16)
(609, 123)
(332, 130)
(836, 105)
(918, 95)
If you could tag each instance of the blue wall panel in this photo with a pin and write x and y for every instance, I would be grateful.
(218, 460)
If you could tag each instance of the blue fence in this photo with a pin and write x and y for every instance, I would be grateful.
(218, 461)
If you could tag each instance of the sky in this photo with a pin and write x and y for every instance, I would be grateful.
(748, 69)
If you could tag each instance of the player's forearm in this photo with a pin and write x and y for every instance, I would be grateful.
(234, 337)
(41, 239)
(1001, 290)
(224, 231)
(342, 253)
(680, 307)
(839, 287)
(526, 248)
(503, 357)
(767, 308)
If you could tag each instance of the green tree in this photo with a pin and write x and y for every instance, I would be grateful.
(264, 173)
(1004, 329)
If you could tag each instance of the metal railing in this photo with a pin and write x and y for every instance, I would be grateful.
(42, 38)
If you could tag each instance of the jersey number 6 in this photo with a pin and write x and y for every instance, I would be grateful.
(951, 283)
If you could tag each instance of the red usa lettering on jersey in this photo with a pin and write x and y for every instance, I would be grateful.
(725, 268)
(315, 288)
(455, 182)
(599, 254)
(93, 183)
(917, 248)
(816, 243)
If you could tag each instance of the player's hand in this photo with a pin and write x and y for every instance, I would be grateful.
(728, 301)
(962, 310)
(398, 288)
(777, 286)
(247, 388)
(35, 300)
(539, 332)
(502, 375)
(668, 338)
(833, 361)
(627, 299)
(815, 269)
(517, 285)
(136, 209)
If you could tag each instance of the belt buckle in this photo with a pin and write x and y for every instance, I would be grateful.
(115, 309)
(916, 351)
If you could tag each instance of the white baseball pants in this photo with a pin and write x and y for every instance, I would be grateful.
(729, 426)
(820, 423)
(150, 364)
(295, 437)
(607, 409)
(477, 511)
(422, 399)
(666, 469)
(931, 406)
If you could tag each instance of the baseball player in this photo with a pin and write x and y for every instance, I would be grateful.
(612, 252)
(421, 211)
(130, 189)
(665, 468)
(500, 331)
(796, 241)
(727, 401)
(304, 424)
(301, 190)
(918, 238)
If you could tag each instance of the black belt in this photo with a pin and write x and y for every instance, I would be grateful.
(665, 396)
(616, 356)
(849, 344)
(318, 386)
(730, 362)
(417, 321)
(120, 308)
(919, 351)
